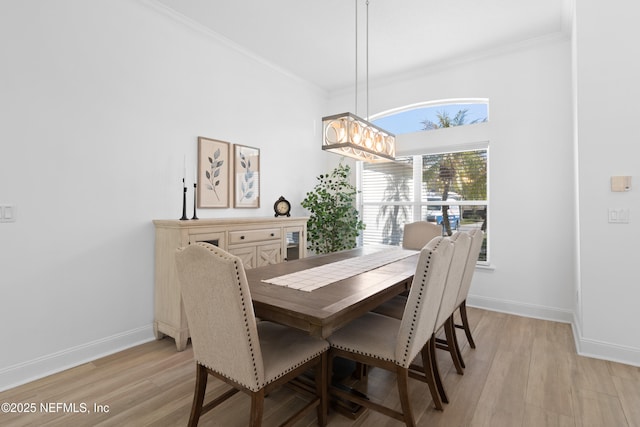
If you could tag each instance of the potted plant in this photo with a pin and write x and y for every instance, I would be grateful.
(334, 223)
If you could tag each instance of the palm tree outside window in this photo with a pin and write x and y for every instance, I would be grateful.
(448, 188)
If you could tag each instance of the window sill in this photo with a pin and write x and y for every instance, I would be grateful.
(486, 267)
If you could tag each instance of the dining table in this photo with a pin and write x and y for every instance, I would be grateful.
(322, 309)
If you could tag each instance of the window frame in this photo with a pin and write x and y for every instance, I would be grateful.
(417, 204)
(446, 140)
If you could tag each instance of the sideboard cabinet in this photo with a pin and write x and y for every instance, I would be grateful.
(257, 241)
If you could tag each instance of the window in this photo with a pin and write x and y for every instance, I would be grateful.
(447, 187)
(387, 200)
(434, 116)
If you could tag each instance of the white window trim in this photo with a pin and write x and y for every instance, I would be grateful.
(445, 140)
(417, 202)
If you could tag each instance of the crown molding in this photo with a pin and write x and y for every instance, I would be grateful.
(457, 61)
(225, 41)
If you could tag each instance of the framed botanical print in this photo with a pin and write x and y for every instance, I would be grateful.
(214, 170)
(246, 177)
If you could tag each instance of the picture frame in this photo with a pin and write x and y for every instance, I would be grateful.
(214, 171)
(246, 177)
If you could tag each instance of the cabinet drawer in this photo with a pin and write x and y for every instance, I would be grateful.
(254, 235)
(216, 239)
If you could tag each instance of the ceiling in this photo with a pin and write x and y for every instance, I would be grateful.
(315, 40)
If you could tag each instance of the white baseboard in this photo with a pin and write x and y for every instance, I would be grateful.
(604, 350)
(584, 346)
(521, 309)
(25, 372)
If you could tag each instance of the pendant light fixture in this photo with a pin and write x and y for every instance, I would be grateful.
(348, 135)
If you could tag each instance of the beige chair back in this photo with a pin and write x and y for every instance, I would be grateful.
(216, 298)
(477, 237)
(461, 245)
(424, 298)
(417, 234)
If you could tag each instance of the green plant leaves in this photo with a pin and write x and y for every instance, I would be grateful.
(334, 222)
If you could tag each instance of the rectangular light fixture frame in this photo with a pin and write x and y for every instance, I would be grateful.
(349, 135)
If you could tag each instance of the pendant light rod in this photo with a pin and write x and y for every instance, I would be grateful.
(367, 58)
(356, 69)
(347, 134)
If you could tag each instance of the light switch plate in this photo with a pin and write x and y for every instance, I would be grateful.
(7, 213)
(619, 215)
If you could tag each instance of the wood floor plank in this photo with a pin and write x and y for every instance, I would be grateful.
(524, 372)
(624, 371)
(593, 374)
(629, 394)
(502, 402)
(464, 391)
(593, 409)
(538, 417)
(551, 371)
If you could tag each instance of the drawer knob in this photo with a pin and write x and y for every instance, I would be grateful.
(273, 234)
(241, 237)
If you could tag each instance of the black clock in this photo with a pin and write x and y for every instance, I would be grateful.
(282, 207)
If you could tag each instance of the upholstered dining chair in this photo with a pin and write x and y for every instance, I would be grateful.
(391, 344)
(417, 234)
(228, 343)
(477, 237)
(461, 243)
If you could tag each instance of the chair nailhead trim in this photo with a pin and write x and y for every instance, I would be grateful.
(414, 317)
(246, 321)
(248, 330)
(374, 356)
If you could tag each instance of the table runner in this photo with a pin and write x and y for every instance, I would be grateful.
(317, 277)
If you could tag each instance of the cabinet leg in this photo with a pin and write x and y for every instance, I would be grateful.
(159, 335)
(181, 340)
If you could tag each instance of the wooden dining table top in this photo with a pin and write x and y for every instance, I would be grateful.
(326, 309)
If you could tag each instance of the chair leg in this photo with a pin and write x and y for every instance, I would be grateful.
(403, 389)
(465, 323)
(455, 341)
(360, 372)
(428, 372)
(450, 333)
(198, 396)
(436, 371)
(257, 408)
(321, 380)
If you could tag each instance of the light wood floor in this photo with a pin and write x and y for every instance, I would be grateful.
(524, 372)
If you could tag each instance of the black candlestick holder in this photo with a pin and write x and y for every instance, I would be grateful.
(195, 188)
(184, 202)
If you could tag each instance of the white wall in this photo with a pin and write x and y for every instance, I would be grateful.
(531, 188)
(541, 266)
(607, 136)
(100, 103)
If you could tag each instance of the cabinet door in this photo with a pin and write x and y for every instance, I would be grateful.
(269, 254)
(247, 254)
(294, 243)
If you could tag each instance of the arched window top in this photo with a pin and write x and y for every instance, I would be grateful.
(433, 115)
